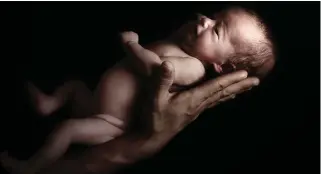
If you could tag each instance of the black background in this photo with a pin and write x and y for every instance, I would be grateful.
(272, 129)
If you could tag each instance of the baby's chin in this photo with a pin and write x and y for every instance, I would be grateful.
(211, 72)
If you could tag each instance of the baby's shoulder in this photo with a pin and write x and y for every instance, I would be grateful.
(160, 49)
(163, 49)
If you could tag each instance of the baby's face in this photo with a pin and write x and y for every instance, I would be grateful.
(212, 40)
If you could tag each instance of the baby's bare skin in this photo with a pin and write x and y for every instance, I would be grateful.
(121, 84)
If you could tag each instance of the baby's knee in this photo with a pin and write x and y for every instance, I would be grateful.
(112, 120)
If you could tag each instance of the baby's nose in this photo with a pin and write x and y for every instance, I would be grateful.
(206, 22)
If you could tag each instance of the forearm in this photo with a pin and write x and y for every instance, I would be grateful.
(106, 158)
(111, 157)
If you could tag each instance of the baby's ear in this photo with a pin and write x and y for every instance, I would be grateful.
(218, 68)
(224, 68)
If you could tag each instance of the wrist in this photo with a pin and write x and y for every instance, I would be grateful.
(123, 151)
(137, 147)
(152, 144)
(114, 155)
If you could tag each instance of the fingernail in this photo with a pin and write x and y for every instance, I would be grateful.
(244, 74)
(256, 82)
(167, 68)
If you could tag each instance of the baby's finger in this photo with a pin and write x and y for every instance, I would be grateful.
(128, 36)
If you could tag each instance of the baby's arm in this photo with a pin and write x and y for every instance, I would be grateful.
(188, 70)
(141, 64)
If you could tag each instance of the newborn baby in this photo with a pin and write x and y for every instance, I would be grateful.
(235, 39)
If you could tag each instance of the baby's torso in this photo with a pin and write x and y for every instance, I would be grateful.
(119, 88)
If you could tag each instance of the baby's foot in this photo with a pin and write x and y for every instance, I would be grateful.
(11, 164)
(42, 103)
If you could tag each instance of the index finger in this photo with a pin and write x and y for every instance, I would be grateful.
(202, 92)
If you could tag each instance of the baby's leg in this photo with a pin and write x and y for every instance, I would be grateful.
(74, 91)
(91, 131)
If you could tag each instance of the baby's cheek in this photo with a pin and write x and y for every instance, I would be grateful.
(205, 51)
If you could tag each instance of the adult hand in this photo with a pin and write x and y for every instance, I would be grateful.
(168, 113)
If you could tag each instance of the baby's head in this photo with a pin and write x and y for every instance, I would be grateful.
(234, 39)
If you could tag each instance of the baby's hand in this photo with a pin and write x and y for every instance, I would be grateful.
(128, 36)
(141, 60)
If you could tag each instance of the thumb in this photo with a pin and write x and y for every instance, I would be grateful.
(166, 79)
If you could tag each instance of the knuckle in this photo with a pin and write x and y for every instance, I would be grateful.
(225, 93)
(220, 85)
(220, 95)
(189, 112)
(189, 117)
(193, 110)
